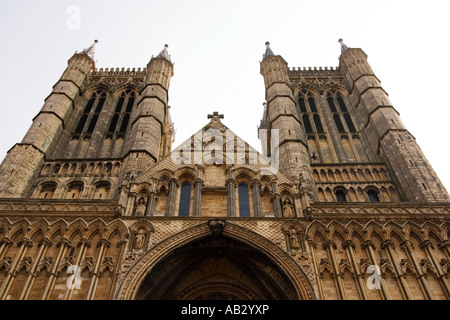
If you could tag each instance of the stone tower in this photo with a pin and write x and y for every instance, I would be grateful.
(95, 123)
(342, 204)
(338, 125)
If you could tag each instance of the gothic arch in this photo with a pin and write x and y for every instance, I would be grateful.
(40, 225)
(116, 226)
(21, 225)
(59, 226)
(129, 286)
(185, 172)
(244, 174)
(96, 225)
(428, 228)
(98, 88)
(355, 229)
(78, 226)
(410, 228)
(5, 225)
(373, 227)
(318, 227)
(334, 89)
(307, 88)
(393, 229)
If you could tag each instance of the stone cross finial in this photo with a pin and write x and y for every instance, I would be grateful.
(215, 115)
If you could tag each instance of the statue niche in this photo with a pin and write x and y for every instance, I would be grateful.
(141, 207)
(288, 209)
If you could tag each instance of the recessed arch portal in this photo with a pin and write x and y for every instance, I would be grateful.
(239, 264)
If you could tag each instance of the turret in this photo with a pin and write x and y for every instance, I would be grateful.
(151, 128)
(281, 114)
(25, 159)
(387, 136)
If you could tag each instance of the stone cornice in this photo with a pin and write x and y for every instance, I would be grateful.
(29, 207)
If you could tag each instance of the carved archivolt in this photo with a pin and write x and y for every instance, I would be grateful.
(133, 278)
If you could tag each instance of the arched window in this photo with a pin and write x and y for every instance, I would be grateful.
(122, 115)
(373, 196)
(244, 203)
(312, 104)
(74, 190)
(309, 111)
(340, 196)
(302, 105)
(102, 190)
(47, 190)
(318, 123)
(338, 122)
(91, 115)
(307, 123)
(185, 199)
(333, 96)
(331, 104)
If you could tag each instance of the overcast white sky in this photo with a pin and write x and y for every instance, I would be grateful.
(217, 46)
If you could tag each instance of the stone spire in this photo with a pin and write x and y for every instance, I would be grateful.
(91, 50)
(343, 46)
(269, 51)
(165, 54)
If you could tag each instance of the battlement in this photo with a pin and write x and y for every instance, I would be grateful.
(314, 71)
(108, 72)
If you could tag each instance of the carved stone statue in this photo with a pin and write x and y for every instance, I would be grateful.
(288, 209)
(139, 240)
(140, 208)
(293, 237)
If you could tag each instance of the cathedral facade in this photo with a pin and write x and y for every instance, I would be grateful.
(341, 203)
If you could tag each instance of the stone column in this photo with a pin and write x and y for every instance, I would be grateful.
(276, 202)
(231, 198)
(257, 205)
(64, 244)
(4, 244)
(388, 245)
(330, 246)
(44, 244)
(369, 246)
(12, 272)
(173, 184)
(151, 203)
(349, 247)
(312, 247)
(198, 184)
(130, 203)
(427, 245)
(445, 246)
(103, 244)
(407, 246)
(83, 244)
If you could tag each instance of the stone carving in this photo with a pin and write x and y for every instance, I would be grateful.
(288, 209)
(140, 208)
(216, 226)
(308, 214)
(293, 238)
(139, 240)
